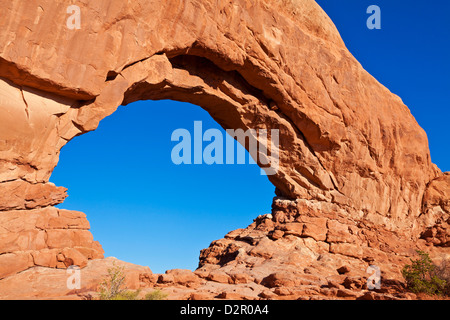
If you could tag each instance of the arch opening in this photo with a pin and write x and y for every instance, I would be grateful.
(142, 207)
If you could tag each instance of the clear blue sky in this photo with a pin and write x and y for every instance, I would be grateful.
(146, 210)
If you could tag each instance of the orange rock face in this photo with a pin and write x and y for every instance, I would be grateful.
(348, 146)
(46, 237)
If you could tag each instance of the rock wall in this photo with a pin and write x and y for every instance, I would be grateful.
(346, 140)
(47, 237)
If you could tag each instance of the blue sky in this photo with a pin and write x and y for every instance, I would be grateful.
(146, 210)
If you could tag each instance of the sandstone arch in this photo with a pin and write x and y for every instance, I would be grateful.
(345, 139)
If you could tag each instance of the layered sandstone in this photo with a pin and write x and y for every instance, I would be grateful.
(47, 237)
(349, 148)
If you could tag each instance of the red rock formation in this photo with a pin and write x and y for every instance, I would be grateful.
(350, 149)
(47, 237)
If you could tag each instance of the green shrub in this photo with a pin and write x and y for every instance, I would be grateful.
(421, 277)
(156, 295)
(112, 287)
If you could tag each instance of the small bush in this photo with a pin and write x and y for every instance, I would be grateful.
(112, 287)
(421, 276)
(156, 295)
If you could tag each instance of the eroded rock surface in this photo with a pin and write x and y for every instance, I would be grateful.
(349, 148)
(47, 237)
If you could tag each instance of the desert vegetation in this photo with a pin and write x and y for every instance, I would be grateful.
(113, 288)
(423, 276)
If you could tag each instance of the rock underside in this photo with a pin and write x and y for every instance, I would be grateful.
(355, 183)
